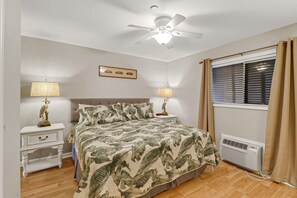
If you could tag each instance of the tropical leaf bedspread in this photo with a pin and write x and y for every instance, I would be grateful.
(128, 159)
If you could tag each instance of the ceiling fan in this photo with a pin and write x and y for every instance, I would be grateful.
(164, 30)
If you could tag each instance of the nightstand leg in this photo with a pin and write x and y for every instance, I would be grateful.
(24, 162)
(60, 152)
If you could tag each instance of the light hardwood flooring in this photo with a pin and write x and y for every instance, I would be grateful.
(225, 181)
(50, 183)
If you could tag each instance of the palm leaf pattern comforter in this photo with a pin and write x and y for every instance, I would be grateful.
(127, 159)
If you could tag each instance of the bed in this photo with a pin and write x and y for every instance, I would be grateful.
(136, 157)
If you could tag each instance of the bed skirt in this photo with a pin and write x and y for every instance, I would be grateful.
(158, 189)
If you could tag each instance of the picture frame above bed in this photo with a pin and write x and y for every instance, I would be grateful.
(117, 72)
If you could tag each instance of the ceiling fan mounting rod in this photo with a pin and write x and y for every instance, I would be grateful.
(162, 21)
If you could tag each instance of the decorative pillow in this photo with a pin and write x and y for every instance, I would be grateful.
(131, 112)
(146, 110)
(103, 114)
(119, 109)
(138, 111)
(83, 112)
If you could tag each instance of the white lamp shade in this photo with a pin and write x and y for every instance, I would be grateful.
(165, 92)
(45, 89)
(163, 37)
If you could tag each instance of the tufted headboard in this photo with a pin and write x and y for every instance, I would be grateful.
(100, 101)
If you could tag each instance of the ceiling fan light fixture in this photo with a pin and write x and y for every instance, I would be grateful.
(163, 37)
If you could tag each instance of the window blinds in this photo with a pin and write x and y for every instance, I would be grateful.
(258, 78)
(243, 83)
(228, 84)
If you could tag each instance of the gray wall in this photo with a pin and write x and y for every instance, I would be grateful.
(185, 76)
(10, 98)
(76, 69)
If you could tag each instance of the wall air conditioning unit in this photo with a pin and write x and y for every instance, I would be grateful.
(245, 153)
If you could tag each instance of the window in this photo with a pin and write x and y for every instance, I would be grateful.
(243, 83)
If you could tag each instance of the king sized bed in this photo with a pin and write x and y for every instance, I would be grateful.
(122, 150)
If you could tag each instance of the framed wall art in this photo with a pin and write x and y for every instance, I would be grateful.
(117, 72)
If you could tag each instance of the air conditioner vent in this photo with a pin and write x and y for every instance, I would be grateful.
(243, 152)
(235, 144)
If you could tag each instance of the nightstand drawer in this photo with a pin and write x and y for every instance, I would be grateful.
(42, 138)
(169, 120)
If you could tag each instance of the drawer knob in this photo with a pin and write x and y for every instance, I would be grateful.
(42, 139)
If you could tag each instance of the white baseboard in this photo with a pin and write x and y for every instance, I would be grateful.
(65, 155)
(286, 183)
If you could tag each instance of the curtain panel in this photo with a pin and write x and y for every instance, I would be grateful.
(280, 159)
(206, 110)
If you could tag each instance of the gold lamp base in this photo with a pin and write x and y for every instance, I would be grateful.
(44, 123)
(164, 113)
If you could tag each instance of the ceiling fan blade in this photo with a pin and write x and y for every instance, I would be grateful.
(175, 21)
(145, 38)
(187, 34)
(141, 27)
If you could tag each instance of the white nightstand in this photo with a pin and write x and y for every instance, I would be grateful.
(168, 119)
(35, 138)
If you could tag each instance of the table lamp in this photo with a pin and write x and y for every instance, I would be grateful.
(165, 93)
(45, 89)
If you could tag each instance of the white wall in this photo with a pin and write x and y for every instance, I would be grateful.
(10, 99)
(185, 75)
(76, 69)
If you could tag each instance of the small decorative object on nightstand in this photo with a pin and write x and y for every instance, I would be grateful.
(168, 119)
(44, 89)
(35, 138)
(165, 93)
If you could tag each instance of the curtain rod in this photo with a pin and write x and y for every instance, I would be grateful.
(241, 53)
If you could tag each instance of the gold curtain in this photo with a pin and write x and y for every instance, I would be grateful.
(206, 112)
(280, 160)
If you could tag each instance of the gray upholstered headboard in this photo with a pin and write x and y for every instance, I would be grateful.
(100, 101)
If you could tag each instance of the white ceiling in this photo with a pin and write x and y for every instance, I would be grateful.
(102, 24)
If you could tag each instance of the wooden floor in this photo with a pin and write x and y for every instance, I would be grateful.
(225, 181)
